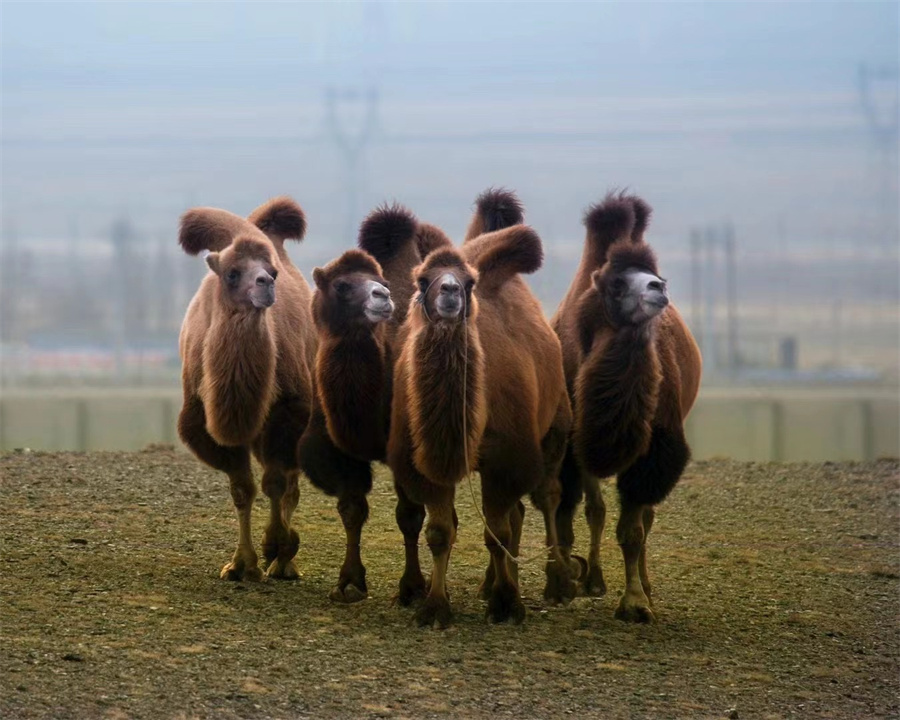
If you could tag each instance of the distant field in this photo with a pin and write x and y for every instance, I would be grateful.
(776, 588)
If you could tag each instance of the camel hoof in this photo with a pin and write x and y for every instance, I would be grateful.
(594, 584)
(236, 572)
(410, 592)
(634, 609)
(434, 612)
(505, 604)
(281, 570)
(578, 567)
(350, 594)
(560, 587)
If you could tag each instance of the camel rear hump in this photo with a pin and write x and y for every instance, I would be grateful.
(501, 255)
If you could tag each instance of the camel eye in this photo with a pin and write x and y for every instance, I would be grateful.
(233, 275)
(423, 285)
(469, 285)
(274, 274)
(342, 287)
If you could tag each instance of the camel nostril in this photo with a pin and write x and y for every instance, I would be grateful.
(381, 292)
(263, 280)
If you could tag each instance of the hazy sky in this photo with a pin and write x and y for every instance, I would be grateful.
(748, 111)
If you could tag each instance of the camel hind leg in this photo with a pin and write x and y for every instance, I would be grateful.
(350, 480)
(276, 449)
(560, 585)
(235, 462)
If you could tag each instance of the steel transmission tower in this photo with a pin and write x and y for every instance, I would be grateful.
(878, 96)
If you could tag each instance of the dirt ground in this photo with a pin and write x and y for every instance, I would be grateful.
(776, 590)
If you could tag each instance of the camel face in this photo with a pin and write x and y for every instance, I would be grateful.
(361, 298)
(645, 297)
(634, 296)
(246, 275)
(446, 294)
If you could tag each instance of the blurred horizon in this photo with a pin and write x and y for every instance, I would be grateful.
(775, 122)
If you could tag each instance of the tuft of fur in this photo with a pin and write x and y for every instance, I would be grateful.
(642, 212)
(438, 400)
(653, 475)
(616, 396)
(495, 209)
(238, 388)
(250, 247)
(352, 261)
(430, 237)
(607, 222)
(387, 231)
(281, 218)
(501, 255)
(625, 255)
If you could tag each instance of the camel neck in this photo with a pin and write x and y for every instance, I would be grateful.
(447, 400)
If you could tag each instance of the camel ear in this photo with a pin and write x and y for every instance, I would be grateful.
(213, 261)
(319, 278)
(597, 279)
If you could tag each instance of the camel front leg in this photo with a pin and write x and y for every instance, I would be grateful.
(634, 606)
(410, 517)
(440, 535)
(649, 517)
(235, 462)
(354, 511)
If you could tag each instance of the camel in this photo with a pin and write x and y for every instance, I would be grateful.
(633, 372)
(357, 321)
(246, 369)
(479, 385)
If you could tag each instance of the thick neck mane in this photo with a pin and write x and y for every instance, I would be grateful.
(616, 389)
(238, 386)
(445, 388)
(353, 387)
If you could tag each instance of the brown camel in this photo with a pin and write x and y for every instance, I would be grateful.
(633, 371)
(246, 368)
(479, 385)
(357, 325)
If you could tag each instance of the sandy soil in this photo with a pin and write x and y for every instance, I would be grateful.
(776, 588)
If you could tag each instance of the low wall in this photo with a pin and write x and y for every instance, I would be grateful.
(744, 424)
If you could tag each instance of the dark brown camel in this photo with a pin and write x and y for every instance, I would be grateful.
(247, 353)
(357, 323)
(633, 371)
(479, 386)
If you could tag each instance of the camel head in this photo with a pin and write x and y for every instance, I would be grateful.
(444, 282)
(351, 292)
(246, 274)
(630, 285)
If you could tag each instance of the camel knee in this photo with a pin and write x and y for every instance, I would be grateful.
(243, 491)
(410, 518)
(274, 483)
(438, 537)
(354, 511)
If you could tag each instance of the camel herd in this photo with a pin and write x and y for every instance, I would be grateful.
(437, 360)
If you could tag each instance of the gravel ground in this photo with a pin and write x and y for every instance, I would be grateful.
(776, 589)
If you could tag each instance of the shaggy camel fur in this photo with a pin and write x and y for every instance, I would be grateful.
(633, 371)
(246, 368)
(352, 309)
(479, 385)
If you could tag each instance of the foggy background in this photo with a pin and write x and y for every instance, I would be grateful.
(764, 135)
